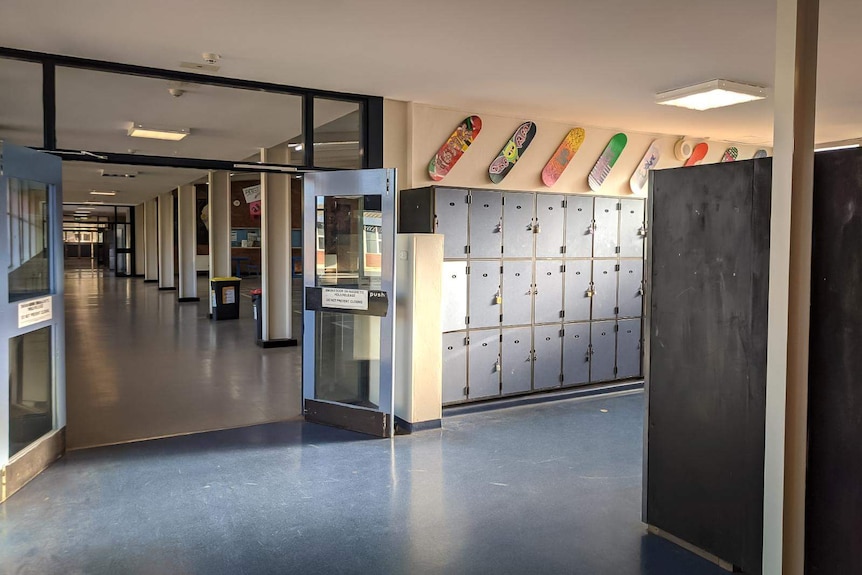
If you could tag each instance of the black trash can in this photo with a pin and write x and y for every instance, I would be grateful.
(224, 293)
(256, 304)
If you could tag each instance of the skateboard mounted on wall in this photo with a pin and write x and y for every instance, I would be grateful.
(564, 154)
(697, 154)
(641, 175)
(760, 154)
(511, 152)
(606, 161)
(452, 150)
(730, 154)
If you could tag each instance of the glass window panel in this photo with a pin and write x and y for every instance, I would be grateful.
(348, 358)
(28, 239)
(337, 129)
(343, 255)
(21, 103)
(30, 388)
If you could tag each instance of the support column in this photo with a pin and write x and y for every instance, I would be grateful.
(140, 248)
(167, 281)
(187, 241)
(275, 257)
(218, 211)
(151, 242)
(790, 288)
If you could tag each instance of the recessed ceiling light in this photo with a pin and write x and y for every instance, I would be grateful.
(712, 94)
(158, 133)
(95, 193)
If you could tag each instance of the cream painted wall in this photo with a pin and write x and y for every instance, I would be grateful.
(425, 128)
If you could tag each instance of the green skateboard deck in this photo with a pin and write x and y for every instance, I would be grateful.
(606, 161)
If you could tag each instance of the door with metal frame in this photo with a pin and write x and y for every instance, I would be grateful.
(485, 294)
(517, 292)
(576, 353)
(517, 360)
(547, 356)
(578, 296)
(32, 363)
(486, 224)
(454, 366)
(606, 227)
(550, 225)
(484, 364)
(450, 212)
(349, 312)
(628, 348)
(548, 293)
(602, 350)
(518, 224)
(579, 227)
(604, 289)
(632, 228)
(630, 297)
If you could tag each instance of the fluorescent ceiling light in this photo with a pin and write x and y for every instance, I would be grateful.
(172, 134)
(94, 202)
(95, 193)
(712, 94)
(833, 148)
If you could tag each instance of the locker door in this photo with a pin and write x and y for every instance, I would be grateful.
(577, 278)
(602, 350)
(483, 310)
(632, 228)
(579, 227)
(454, 366)
(606, 216)
(548, 294)
(547, 357)
(628, 348)
(631, 288)
(454, 308)
(550, 219)
(518, 225)
(517, 360)
(486, 214)
(450, 210)
(576, 353)
(517, 293)
(604, 289)
(484, 364)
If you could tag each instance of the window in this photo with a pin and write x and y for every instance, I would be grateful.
(28, 239)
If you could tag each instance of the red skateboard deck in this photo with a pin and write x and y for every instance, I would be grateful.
(564, 154)
(697, 154)
(452, 150)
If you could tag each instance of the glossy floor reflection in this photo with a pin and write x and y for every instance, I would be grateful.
(140, 365)
(548, 488)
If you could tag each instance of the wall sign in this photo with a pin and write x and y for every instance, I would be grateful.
(340, 298)
(34, 311)
(354, 301)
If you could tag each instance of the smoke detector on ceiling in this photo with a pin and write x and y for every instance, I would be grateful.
(211, 57)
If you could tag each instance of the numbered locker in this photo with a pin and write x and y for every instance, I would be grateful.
(485, 294)
(602, 350)
(486, 213)
(630, 298)
(517, 361)
(484, 364)
(550, 225)
(454, 366)
(604, 289)
(518, 224)
(577, 300)
(450, 211)
(547, 356)
(454, 287)
(576, 353)
(579, 227)
(548, 293)
(632, 228)
(517, 292)
(606, 217)
(628, 348)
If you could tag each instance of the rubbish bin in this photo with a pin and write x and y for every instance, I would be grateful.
(224, 293)
(258, 318)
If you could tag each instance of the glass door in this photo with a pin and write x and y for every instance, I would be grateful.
(32, 382)
(348, 271)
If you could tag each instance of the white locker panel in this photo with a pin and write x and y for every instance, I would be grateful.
(577, 279)
(485, 294)
(484, 364)
(550, 226)
(632, 228)
(576, 353)
(517, 292)
(486, 224)
(547, 356)
(602, 350)
(548, 293)
(454, 287)
(630, 298)
(518, 224)
(454, 366)
(606, 217)
(450, 211)
(604, 289)
(579, 226)
(628, 348)
(516, 360)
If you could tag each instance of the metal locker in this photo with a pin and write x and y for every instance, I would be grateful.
(517, 292)
(454, 287)
(602, 350)
(604, 289)
(547, 356)
(549, 228)
(485, 294)
(484, 364)
(518, 224)
(628, 348)
(630, 298)
(548, 291)
(576, 353)
(450, 211)
(606, 217)
(632, 228)
(517, 360)
(486, 217)
(579, 227)
(577, 279)
(454, 366)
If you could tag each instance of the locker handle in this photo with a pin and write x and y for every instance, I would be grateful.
(642, 231)
(641, 290)
(498, 228)
(591, 229)
(536, 228)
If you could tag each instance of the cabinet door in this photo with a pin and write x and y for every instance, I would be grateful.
(517, 292)
(454, 366)
(484, 364)
(485, 294)
(602, 350)
(579, 227)
(547, 356)
(577, 278)
(576, 353)
(604, 289)
(631, 288)
(518, 224)
(516, 360)
(454, 287)
(550, 222)
(605, 239)
(548, 293)
(486, 213)
(631, 228)
(628, 348)
(450, 211)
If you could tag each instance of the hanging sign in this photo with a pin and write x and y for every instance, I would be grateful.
(34, 311)
(252, 198)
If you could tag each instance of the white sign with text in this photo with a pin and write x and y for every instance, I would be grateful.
(34, 311)
(340, 298)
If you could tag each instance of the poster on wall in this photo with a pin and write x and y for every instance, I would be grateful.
(252, 198)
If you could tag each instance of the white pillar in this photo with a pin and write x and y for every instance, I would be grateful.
(790, 288)
(140, 248)
(187, 242)
(275, 264)
(167, 281)
(151, 241)
(218, 211)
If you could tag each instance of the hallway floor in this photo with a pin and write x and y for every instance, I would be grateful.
(547, 488)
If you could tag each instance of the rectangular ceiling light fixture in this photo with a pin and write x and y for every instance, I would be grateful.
(157, 133)
(833, 148)
(712, 94)
(95, 193)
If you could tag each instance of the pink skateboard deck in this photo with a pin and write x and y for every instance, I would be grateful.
(564, 154)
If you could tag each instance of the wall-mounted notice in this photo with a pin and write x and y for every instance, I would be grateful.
(34, 311)
(340, 298)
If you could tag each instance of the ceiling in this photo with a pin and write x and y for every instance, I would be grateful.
(598, 63)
